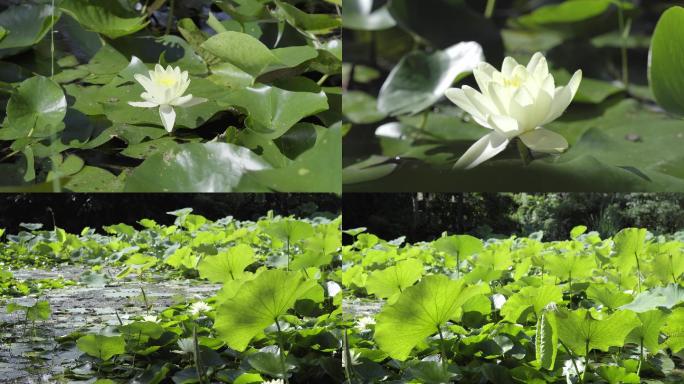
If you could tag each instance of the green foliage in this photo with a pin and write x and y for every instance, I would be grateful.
(420, 311)
(666, 58)
(101, 347)
(260, 303)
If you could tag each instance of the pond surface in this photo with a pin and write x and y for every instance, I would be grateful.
(32, 355)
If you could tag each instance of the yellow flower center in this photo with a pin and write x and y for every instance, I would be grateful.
(514, 82)
(166, 80)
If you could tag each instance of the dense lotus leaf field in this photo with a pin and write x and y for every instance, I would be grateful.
(244, 302)
(417, 120)
(515, 310)
(201, 95)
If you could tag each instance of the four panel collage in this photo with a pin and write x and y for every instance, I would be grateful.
(342, 191)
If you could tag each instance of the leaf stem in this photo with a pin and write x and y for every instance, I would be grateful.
(170, 16)
(443, 349)
(624, 33)
(574, 363)
(525, 153)
(282, 351)
(347, 356)
(489, 10)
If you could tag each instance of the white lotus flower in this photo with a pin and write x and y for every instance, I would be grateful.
(186, 346)
(516, 102)
(198, 307)
(151, 318)
(363, 323)
(164, 88)
(276, 381)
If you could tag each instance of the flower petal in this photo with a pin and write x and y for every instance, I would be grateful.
(484, 149)
(562, 97)
(168, 116)
(142, 104)
(145, 81)
(189, 101)
(508, 66)
(458, 97)
(543, 140)
(506, 126)
(483, 75)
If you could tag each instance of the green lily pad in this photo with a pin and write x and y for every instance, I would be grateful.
(666, 67)
(209, 167)
(36, 109)
(359, 14)
(241, 50)
(260, 303)
(419, 79)
(25, 26)
(102, 347)
(582, 332)
(226, 265)
(272, 111)
(106, 17)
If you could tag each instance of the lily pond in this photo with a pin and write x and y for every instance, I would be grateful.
(191, 96)
(198, 301)
(574, 95)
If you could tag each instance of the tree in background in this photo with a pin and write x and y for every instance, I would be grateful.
(424, 216)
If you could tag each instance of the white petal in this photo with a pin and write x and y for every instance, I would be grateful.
(168, 116)
(562, 97)
(190, 102)
(458, 97)
(145, 81)
(483, 75)
(538, 66)
(142, 104)
(484, 106)
(543, 140)
(506, 126)
(508, 66)
(484, 149)
(158, 69)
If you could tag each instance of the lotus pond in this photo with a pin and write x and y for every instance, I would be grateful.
(198, 301)
(200, 95)
(514, 310)
(573, 95)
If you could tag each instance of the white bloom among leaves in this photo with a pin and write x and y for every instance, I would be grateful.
(516, 102)
(199, 307)
(275, 381)
(151, 318)
(186, 346)
(164, 88)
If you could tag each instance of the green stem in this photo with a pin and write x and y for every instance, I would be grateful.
(489, 10)
(198, 362)
(282, 350)
(443, 349)
(56, 184)
(641, 355)
(624, 33)
(424, 121)
(525, 154)
(169, 21)
(347, 356)
(572, 357)
(586, 359)
(638, 271)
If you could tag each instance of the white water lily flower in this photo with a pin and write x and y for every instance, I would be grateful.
(164, 88)
(276, 381)
(151, 318)
(363, 323)
(516, 102)
(198, 307)
(186, 346)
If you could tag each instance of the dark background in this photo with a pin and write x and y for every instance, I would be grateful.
(72, 212)
(424, 216)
